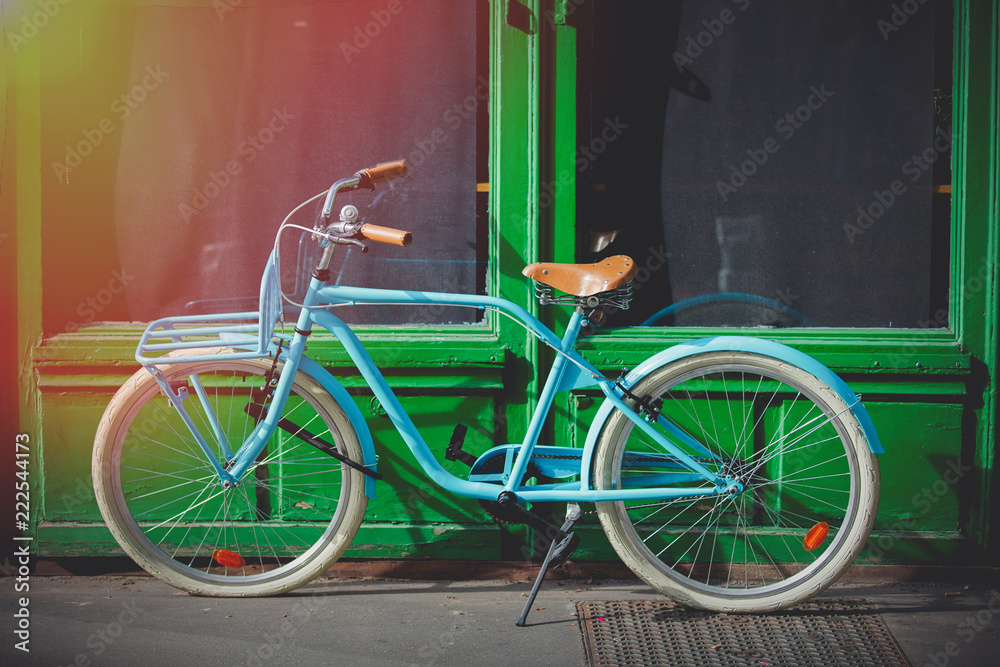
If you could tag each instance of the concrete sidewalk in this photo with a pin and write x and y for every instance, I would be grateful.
(136, 620)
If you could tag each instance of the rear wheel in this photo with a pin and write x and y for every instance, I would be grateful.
(810, 484)
(290, 517)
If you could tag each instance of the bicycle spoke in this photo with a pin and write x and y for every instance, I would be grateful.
(187, 481)
(788, 449)
(280, 522)
(194, 453)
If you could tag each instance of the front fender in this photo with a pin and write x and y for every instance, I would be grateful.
(335, 389)
(761, 346)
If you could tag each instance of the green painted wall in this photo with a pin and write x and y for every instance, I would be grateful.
(932, 394)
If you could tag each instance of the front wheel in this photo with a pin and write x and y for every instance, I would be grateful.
(810, 484)
(290, 517)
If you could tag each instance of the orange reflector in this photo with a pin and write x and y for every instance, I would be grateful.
(228, 558)
(816, 535)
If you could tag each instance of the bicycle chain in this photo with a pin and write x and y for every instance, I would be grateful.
(634, 458)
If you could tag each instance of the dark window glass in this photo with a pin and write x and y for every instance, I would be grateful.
(771, 163)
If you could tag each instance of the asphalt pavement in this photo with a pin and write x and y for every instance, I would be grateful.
(132, 619)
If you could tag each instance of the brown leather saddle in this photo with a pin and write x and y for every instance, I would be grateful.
(584, 279)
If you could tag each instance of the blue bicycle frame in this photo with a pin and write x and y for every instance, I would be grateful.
(570, 370)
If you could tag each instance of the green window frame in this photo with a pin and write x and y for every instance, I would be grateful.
(532, 138)
(956, 364)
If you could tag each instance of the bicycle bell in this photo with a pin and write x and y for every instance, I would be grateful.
(349, 213)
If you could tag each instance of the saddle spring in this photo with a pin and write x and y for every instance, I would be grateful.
(619, 298)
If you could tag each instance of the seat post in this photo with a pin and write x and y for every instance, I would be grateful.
(573, 329)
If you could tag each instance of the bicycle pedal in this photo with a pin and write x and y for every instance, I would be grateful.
(454, 452)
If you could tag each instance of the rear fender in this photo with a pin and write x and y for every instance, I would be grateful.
(760, 346)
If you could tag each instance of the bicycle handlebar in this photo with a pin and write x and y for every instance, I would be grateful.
(386, 234)
(366, 178)
(383, 172)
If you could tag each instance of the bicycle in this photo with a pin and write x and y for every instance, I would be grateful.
(729, 473)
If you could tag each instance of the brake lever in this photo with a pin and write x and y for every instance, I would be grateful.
(342, 240)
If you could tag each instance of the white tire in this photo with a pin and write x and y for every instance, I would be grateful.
(796, 448)
(291, 516)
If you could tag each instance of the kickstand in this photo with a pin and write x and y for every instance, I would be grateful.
(559, 551)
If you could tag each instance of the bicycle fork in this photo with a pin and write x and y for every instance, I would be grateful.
(267, 418)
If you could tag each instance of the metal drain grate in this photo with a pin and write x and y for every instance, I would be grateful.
(827, 631)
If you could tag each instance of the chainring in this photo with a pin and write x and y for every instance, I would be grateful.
(501, 515)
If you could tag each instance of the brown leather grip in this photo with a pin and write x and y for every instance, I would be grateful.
(385, 171)
(387, 235)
